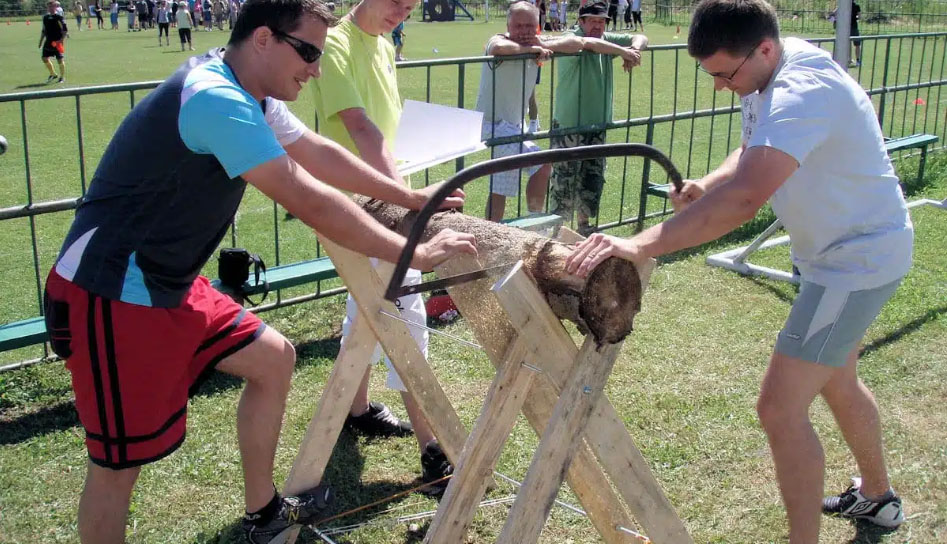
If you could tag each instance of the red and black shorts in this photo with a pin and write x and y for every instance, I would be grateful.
(54, 48)
(133, 367)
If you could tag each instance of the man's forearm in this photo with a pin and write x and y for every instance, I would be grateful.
(563, 44)
(715, 214)
(372, 149)
(336, 216)
(335, 165)
(597, 45)
(724, 172)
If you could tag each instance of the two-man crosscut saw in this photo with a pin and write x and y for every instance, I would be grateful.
(486, 168)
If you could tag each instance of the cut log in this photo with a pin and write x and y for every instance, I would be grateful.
(603, 304)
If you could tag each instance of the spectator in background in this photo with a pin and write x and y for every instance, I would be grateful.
(185, 23)
(78, 9)
(234, 10)
(174, 13)
(208, 13)
(636, 16)
(100, 23)
(151, 12)
(584, 97)
(163, 16)
(503, 108)
(113, 14)
(563, 14)
(613, 13)
(52, 38)
(132, 13)
(198, 14)
(554, 15)
(397, 37)
(142, 7)
(856, 15)
(218, 7)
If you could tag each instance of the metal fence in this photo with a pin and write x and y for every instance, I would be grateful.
(666, 102)
(812, 16)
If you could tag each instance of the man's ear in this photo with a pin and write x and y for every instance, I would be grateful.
(769, 47)
(261, 38)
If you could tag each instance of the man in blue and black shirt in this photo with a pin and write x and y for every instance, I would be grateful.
(125, 304)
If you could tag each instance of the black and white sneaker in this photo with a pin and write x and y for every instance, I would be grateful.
(886, 511)
(378, 421)
(435, 469)
(301, 509)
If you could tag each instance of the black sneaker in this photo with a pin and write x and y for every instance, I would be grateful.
(51, 79)
(378, 421)
(886, 512)
(301, 509)
(435, 469)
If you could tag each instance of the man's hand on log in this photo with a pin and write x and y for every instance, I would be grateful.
(455, 200)
(590, 252)
(444, 245)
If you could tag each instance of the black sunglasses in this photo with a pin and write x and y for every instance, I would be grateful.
(733, 73)
(308, 52)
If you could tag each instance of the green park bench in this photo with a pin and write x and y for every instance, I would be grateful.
(32, 331)
(915, 141)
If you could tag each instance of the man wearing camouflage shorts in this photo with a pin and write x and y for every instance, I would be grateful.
(584, 97)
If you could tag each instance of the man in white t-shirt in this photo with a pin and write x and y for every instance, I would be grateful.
(812, 147)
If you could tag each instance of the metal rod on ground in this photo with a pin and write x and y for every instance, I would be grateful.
(429, 329)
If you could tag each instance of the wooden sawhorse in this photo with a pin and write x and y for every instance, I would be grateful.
(540, 371)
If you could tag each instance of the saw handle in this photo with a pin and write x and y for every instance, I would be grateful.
(458, 180)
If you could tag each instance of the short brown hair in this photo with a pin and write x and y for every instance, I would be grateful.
(733, 26)
(278, 15)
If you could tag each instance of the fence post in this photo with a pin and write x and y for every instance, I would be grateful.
(645, 180)
(884, 84)
(459, 163)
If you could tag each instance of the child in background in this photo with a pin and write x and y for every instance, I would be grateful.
(397, 36)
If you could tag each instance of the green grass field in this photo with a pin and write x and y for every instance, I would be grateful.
(685, 384)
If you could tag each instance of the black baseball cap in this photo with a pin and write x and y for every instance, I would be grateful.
(595, 9)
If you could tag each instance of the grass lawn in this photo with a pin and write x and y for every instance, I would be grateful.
(685, 383)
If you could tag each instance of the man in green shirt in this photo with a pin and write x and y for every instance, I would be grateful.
(584, 97)
(358, 105)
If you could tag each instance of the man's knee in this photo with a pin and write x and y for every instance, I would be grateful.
(106, 480)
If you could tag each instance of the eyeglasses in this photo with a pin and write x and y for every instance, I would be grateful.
(732, 74)
(308, 52)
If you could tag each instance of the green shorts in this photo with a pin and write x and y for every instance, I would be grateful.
(577, 185)
(826, 324)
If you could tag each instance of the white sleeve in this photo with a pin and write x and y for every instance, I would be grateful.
(286, 126)
(796, 119)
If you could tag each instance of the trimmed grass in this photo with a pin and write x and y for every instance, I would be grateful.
(685, 384)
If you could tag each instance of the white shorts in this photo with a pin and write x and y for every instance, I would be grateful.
(507, 183)
(412, 309)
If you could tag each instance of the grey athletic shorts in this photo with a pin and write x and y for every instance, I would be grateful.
(826, 324)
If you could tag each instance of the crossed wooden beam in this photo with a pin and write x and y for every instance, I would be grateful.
(541, 372)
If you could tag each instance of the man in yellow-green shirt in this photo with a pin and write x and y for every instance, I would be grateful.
(358, 106)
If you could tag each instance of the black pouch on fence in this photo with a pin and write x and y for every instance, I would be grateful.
(233, 269)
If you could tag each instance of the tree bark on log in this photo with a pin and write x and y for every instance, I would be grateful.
(603, 304)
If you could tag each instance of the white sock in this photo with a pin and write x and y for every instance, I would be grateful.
(534, 125)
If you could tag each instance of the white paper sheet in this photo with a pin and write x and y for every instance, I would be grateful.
(431, 134)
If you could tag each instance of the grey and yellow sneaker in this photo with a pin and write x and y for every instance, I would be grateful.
(886, 511)
(301, 509)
